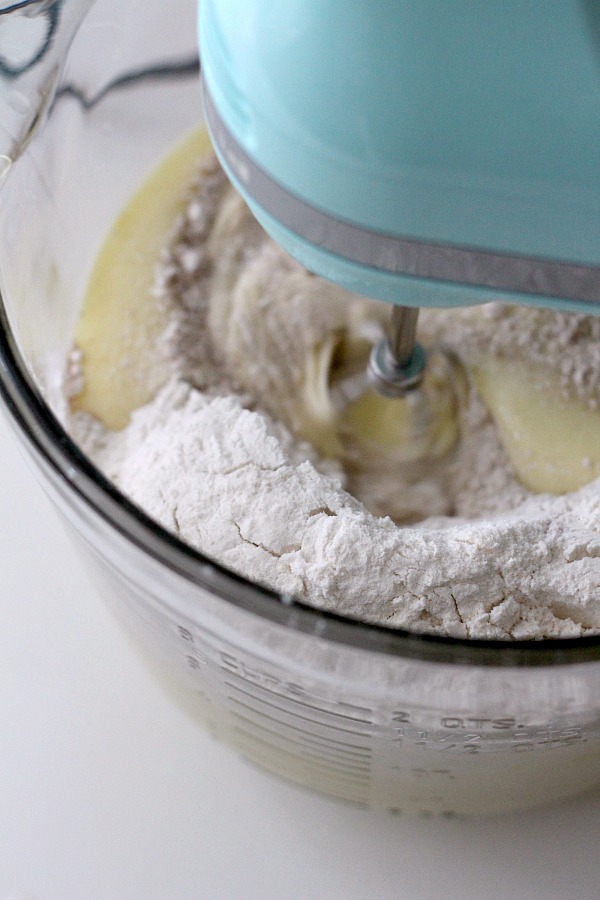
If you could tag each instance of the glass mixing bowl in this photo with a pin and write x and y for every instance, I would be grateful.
(407, 722)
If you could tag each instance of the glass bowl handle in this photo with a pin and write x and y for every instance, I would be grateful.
(35, 36)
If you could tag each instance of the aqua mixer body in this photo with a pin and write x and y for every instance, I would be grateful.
(425, 154)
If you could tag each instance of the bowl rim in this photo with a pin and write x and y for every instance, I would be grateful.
(32, 418)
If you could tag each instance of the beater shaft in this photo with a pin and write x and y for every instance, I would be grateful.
(397, 362)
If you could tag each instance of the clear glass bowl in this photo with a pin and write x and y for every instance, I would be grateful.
(403, 721)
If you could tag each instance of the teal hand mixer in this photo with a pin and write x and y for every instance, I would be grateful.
(437, 153)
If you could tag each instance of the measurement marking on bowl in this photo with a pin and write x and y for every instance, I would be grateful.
(362, 752)
(269, 682)
(266, 736)
(281, 710)
(282, 767)
(281, 721)
(427, 773)
(324, 746)
(307, 754)
(350, 751)
(299, 702)
(311, 720)
(316, 764)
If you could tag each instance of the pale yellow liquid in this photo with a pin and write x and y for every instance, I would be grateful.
(121, 320)
(553, 444)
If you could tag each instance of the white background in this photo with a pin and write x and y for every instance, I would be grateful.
(108, 792)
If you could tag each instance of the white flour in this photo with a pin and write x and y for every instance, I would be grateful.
(210, 463)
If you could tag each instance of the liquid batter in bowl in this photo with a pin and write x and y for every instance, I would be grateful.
(204, 383)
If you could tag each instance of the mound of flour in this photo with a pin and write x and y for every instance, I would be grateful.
(234, 484)
(212, 465)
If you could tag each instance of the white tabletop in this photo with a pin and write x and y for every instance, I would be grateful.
(108, 792)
